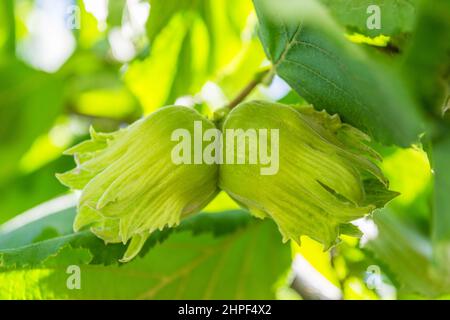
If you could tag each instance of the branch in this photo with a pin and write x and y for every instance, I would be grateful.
(257, 79)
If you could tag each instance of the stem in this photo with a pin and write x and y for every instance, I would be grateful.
(257, 79)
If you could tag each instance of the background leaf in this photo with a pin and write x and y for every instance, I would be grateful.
(428, 71)
(26, 191)
(441, 206)
(190, 42)
(7, 27)
(407, 254)
(23, 117)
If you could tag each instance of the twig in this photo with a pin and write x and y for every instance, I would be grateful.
(259, 77)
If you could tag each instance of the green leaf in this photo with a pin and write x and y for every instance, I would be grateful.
(36, 255)
(310, 52)
(27, 191)
(242, 69)
(427, 59)
(7, 27)
(218, 256)
(441, 205)
(19, 246)
(190, 43)
(89, 34)
(162, 11)
(407, 254)
(25, 229)
(158, 71)
(31, 101)
(115, 12)
(397, 16)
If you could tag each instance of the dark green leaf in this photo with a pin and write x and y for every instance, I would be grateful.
(27, 228)
(217, 256)
(311, 53)
(397, 16)
(427, 60)
(19, 247)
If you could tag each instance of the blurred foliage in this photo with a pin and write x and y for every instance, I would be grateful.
(22, 115)
(115, 63)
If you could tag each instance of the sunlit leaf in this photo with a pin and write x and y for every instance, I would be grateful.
(151, 80)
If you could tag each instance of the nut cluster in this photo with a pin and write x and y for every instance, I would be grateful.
(131, 186)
